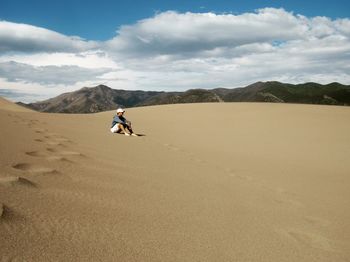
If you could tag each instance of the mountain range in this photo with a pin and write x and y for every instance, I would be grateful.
(103, 98)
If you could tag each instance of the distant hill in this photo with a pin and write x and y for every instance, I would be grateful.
(91, 100)
(102, 98)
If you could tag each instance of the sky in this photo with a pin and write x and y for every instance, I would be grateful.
(51, 47)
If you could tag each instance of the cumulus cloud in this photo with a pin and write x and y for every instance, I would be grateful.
(88, 59)
(178, 51)
(187, 50)
(175, 33)
(28, 38)
(48, 75)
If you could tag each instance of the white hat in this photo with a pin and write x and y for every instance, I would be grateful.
(120, 110)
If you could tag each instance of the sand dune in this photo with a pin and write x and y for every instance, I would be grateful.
(15, 180)
(207, 182)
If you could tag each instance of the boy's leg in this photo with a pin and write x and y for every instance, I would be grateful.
(121, 127)
(130, 130)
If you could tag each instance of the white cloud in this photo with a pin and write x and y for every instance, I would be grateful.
(189, 50)
(28, 38)
(178, 51)
(87, 59)
(192, 33)
(48, 75)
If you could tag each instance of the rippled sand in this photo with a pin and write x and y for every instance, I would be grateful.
(206, 182)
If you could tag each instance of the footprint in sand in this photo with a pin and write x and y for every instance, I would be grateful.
(62, 142)
(56, 136)
(54, 143)
(52, 150)
(34, 169)
(40, 130)
(2, 210)
(16, 180)
(308, 238)
(59, 158)
(31, 123)
(71, 153)
(35, 153)
(48, 157)
(65, 153)
(63, 139)
(55, 140)
(39, 140)
(7, 214)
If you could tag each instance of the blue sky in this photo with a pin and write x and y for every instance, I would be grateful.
(51, 47)
(98, 20)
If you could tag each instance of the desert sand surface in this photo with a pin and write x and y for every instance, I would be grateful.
(206, 182)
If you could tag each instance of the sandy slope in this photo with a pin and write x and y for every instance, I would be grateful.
(207, 182)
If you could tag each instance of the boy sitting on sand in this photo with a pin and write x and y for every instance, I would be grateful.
(121, 124)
